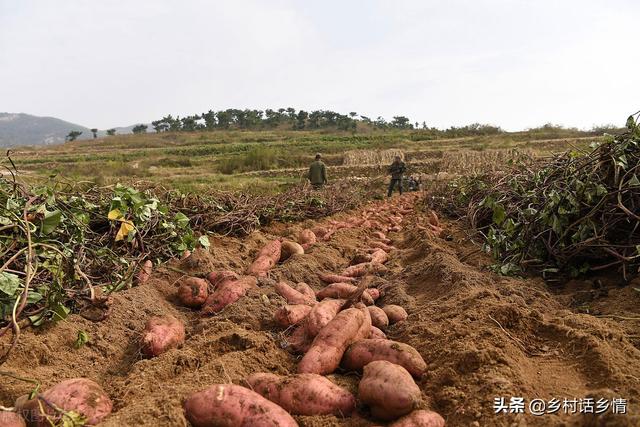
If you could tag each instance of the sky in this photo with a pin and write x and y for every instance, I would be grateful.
(512, 63)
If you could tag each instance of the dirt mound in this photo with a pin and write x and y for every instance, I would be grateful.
(482, 335)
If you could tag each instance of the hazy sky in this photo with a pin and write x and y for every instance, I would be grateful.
(512, 63)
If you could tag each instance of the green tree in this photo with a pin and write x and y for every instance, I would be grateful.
(73, 135)
(94, 131)
(111, 132)
(139, 129)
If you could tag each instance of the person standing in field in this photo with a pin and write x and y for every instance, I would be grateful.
(396, 170)
(318, 173)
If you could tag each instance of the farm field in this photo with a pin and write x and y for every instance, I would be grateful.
(484, 334)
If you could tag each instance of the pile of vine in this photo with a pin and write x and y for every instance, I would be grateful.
(574, 213)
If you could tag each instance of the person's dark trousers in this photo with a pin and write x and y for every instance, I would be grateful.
(393, 184)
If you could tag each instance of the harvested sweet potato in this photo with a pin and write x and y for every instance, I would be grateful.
(304, 394)
(388, 390)
(80, 395)
(360, 259)
(336, 290)
(420, 418)
(379, 256)
(395, 313)
(307, 237)
(227, 293)
(383, 246)
(379, 318)
(364, 269)
(378, 235)
(230, 405)
(145, 272)
(365, 329)
(305, 289)
(321, 314)
(374, 292)
(292, 296)
(193, 292)
(298, 341)
(288, 315)
(289, 249)
(217, 277)
(322, 233)
(331, 342)
(362, 352)
(261, 266)
(162, 333)
(335, 278)
(11, 419)
(376, 333)
(271, 250)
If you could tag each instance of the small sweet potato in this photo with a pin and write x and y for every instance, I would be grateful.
(395, 313)
(321, 314)
(379, 318)
(162, 333)
(288, 315)
(388, 390)
(376, 333)
(193, 292)
(261, 266)
(362, 352)
(11, 419)
(217, 277)
(379, 235)
(379, 256)
(80, 395)
(292, 296)
(364, 269)
(331, 342)
(420, 418)
(335, 278)
(305, 289)
(374, 292)
(227, 293)
(383, 246)
(307, 237)
(298, 341)
(304, 394)
(322, 233)
(145, 272)
(336, 290)
(289, 249)
(230, 405)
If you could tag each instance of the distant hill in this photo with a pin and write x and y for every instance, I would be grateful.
(25, 129)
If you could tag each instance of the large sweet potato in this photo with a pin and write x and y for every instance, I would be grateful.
(289, 315)
(11, 419)
(304, 394)
(305, 289)
(321, 314)
(335, 278)
(80, 395)
(271, 250)
(379, 318)
(362, 352)
(292, 296)
(420, 418)
(364, 269)
(395, 313)
(193, 292)
(336, 290)
(331, 342)
(261, 266)
(162, 333)
(388, 390)
(229, 405)
(365, 329)
(227, 293)
(289, 249)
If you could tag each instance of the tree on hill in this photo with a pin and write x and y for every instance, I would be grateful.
(111, 132)
(401, 122)
(73, 135)
(139, 129)
(94, 131)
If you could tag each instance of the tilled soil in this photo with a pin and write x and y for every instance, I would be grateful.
(483, 336)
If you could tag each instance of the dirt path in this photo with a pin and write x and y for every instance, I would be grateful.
(483, 336)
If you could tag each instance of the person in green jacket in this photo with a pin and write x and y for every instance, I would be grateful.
(318, 173)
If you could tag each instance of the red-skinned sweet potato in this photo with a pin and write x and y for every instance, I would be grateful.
(383, 246)
(379, 256)
(292, 296)
(307, 237)
(298, 341)
(379, 235)
(323, 357)
(230, 405)
(335, 278)
(289, 249)
(420, 418)
(376, 333)
(193, 292)
(336, 290)
(145, 272)
(162, 333)
(305, 289)
(321, 314)
(227, 293)
(217, 277)
(374, 292)
(364, 269)
(304, 394)
(271, 250)
(11, 419)
(365, 330)
(289, 315)
(388, 390)
(261, 266)
(379, 318)
(80, 395)
(362, 352)
(395, 313)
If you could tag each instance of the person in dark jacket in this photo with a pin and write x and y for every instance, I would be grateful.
(396, 170)
(318, 173)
